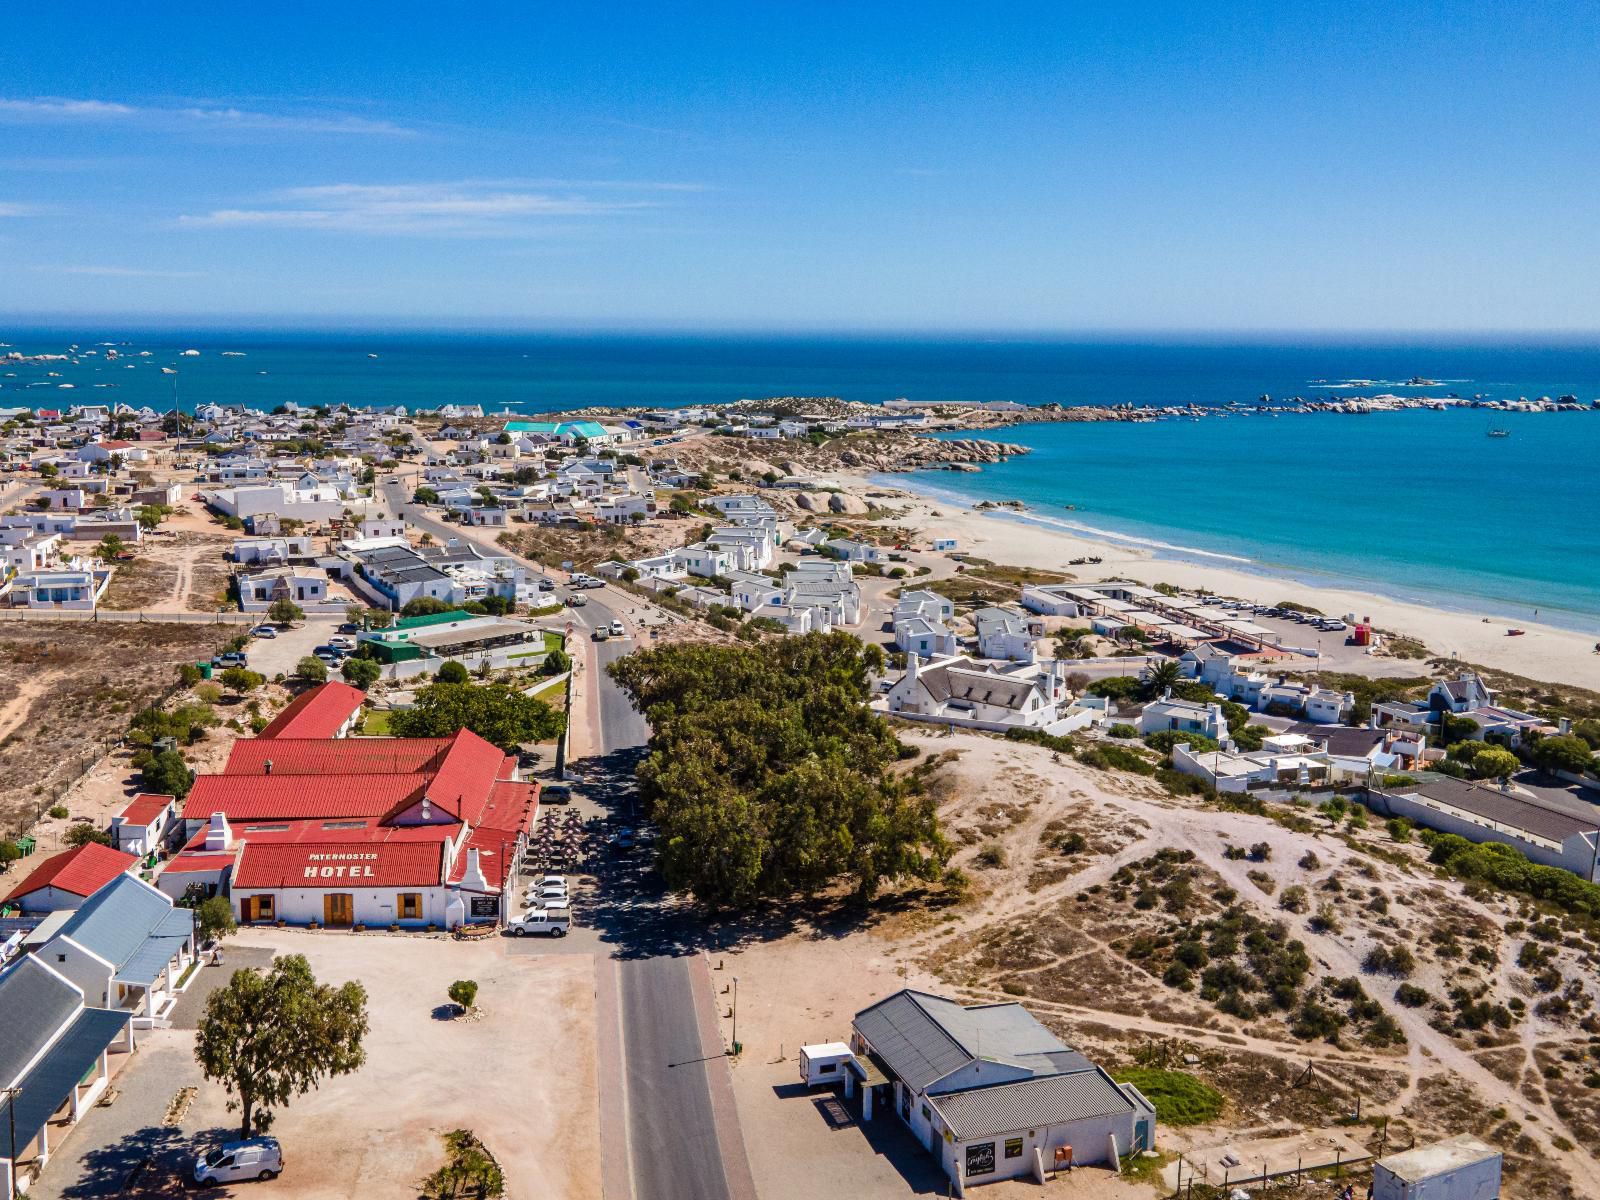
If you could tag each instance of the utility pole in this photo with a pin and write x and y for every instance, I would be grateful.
(736, 1014)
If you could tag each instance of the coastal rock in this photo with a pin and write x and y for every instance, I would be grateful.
(754, 468)
(1013, 505)
(848, 505)
(812, 501)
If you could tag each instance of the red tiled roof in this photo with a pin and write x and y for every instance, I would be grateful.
(182, 864)
(329, 829)
(465, 776)
(300, 797)
(114, 445)
(317, 713)
(144, 808)
(329, 864)
(81, 871)
(343, 756)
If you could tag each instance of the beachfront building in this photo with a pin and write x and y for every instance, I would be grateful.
(1006, 634)
(963, 691)
(989, 1090)
(1554, 827)
(1184, 716)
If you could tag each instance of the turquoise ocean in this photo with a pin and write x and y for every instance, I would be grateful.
(1416, 505)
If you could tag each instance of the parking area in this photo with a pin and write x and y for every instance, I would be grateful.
(520, 1073)
(279, 655)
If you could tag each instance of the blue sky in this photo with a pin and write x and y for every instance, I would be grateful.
(1062, 167)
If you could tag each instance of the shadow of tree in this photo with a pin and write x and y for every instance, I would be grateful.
(151, 1162)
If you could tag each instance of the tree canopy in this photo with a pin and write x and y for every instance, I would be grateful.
(494, 711)
(1562, 752)
(270, 1036)
(768, 775)
(361, 672)
(285, 611)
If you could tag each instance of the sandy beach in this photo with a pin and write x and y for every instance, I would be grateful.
(1544, 652)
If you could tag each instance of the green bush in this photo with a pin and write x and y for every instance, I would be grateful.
(1164, 740)
(59, 812)
(1180, 1098)
(1123, 730)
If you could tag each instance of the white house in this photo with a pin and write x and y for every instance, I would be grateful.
(301, 584)
(54, 1064)
(850, 550)
(1007, 635)
(65, 880)
(1185, 716)
(126, 947)
(989, 1090)
(964, 691)
(144, 825)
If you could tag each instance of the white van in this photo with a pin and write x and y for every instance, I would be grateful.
(540, 921)
(258, 1158)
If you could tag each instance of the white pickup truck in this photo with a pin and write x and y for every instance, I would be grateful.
(540, 921)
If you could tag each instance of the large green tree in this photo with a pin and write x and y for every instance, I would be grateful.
(495, 712)
(769, 776)
(1562, 753)
(271, 1035)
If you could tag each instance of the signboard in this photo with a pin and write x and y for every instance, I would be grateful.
(980, 1159)
(1013, 1147)
(485, 906)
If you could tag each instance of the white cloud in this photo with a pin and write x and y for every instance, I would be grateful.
(465, 208)
(55, 109)
(8, 209)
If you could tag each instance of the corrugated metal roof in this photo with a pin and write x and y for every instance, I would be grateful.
(325, 756)
(36, 1002)
(145, 807)
(330, 864)
(51, 1081)
(117, 920)
(290, 797)
(907, 1037)
(1030, 1104)
(317, 713)
(81, 871)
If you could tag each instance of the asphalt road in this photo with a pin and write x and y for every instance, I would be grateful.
(672, 1127)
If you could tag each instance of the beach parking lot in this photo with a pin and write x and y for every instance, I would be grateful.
(520, 1073)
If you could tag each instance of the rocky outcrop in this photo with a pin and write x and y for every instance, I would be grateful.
(848, 505)
(812, 501)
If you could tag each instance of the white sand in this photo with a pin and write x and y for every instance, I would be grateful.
(1544, 652)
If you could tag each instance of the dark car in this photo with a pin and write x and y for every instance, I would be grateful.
(349, 627)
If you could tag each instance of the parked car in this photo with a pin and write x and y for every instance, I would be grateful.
(329, 654)
(555, 793)
(547, 585)
(264, 631)
(618, 629)
(540, 921)
(341, 642)
(552, 880)
(349, 627)
(578, 601)
(623, 839)
(233, 658)
(257, 1158)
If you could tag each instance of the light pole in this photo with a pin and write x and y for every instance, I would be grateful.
(736, 1014)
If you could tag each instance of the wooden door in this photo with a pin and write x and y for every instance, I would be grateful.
(247, 909)
(337, 909)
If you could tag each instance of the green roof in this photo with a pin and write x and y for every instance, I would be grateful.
(583, 429)
(426, 619)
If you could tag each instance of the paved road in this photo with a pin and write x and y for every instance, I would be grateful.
(672, 1128)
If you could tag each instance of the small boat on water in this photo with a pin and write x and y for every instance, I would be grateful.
(1499, 432)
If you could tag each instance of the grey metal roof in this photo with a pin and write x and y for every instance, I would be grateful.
(117, 920)
(35, 1002)
(146, 963)
(1537, 817)
(924, 1038)
(47, 1086)
(1345, 740)
(1030, 1104)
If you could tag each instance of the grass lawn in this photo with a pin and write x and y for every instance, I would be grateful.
(1179, 1097)
(551, 693)
(377, 723)
(552, 641)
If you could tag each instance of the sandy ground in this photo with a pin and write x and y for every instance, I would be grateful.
(521, 1075)
(1545, 652)
(805, 986)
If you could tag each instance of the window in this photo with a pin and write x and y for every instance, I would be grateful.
(827, 1068)
(1013, 1147)
(264, 905)
(410, 906)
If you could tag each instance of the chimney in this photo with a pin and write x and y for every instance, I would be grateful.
(218, 836)
(266, 767)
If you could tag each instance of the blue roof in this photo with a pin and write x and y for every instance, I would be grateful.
(158, 949)
(117, 921)
(582, 429)
(47, 1086)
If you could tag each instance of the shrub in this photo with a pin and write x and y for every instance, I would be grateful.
(1293, 899)
(453, 672)
(1123, 730)
(1164, 740)
(1410, 995)
(1395, 961)
(59, 812)
(1179, 1098)
(464, 992)
(992, 855)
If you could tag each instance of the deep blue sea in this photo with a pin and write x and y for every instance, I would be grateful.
(1417, 505)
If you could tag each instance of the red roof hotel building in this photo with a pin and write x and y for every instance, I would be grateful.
(347, 831)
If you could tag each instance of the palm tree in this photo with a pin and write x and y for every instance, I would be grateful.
(1162, 676)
